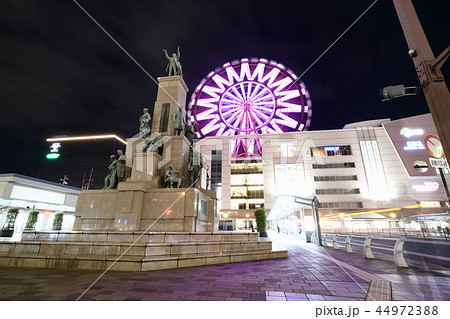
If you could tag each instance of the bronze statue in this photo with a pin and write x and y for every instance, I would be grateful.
(118, 170)
(196, 163)
(174, 65)
(121, 161)
(170, 176)
(144, 121)
(112, 171)
(190, 132)
(178, 120)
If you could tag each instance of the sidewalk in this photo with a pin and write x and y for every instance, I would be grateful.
(309, 273)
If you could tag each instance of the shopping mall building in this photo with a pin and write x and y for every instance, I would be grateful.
(377, 170)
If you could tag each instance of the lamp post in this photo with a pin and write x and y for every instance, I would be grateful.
(428, 69)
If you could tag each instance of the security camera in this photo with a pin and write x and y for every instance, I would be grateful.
(412, 53)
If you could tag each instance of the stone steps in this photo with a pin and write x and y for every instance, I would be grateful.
(134, 263)
(138, 237)
(138, 249)
(132, 251)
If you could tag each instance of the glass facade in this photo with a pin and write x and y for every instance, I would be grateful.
(247, 189)
(216, 169)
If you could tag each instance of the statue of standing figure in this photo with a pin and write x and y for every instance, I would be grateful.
(112, 171)
(178, 120)
(174, 65)
(196, 163)
(117, 169)
(144, 124)
(190, 131)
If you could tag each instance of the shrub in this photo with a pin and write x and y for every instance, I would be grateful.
(261, 221)
(57, 221)
(32, 220)
(10, 219)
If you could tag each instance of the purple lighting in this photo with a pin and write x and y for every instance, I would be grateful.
(250, 96)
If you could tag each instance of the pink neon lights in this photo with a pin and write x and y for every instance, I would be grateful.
(250, 96)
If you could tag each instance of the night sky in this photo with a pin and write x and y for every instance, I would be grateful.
(62, 75)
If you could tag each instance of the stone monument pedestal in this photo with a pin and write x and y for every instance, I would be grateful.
(144, 225)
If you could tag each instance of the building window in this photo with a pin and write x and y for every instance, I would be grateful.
(335, 178)
(216, 169)
(255, 205)
(341, 205)
(337, 191)
(334, 165)
(340, 150)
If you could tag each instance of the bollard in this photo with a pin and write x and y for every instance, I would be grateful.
(398, 253)
(335, 245)
(348, 247)
(367, 251)
(325, 240)
(313, 238)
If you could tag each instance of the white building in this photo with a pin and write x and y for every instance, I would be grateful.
(29, 193)
(378, 165)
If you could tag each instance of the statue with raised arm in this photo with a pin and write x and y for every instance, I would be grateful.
(144, 124)
(174, 65)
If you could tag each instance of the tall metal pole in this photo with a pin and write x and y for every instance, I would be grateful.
(316, 218)
(428, 70)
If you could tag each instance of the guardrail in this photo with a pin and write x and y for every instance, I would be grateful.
(397, 251)
(428, 234)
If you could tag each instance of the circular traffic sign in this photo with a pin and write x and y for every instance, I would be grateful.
(433, 146)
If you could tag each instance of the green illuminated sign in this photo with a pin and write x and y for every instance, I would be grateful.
(52, 155)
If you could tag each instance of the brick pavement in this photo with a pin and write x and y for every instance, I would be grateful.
(309, 273)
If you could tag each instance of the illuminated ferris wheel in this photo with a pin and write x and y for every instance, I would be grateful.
(250, 96)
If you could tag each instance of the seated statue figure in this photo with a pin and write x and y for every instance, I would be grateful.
(170, 176)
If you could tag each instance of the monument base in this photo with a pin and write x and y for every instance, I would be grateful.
(134, 251)
(135, 207)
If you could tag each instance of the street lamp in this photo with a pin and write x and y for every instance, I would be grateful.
(428, 69)
(392, 92)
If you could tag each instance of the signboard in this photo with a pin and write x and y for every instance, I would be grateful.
(407, 136)
(433, 146)
(438, 162)
(426, 187)
(289, 179)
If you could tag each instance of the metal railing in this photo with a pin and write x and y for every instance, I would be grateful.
(391, 232)
(397, 251)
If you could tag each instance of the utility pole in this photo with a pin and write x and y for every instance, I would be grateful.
(428, 69)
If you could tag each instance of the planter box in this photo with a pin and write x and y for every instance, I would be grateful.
(6, 232)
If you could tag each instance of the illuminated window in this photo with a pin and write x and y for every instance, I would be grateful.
(331, 151)
(216, 169)
(430, 204)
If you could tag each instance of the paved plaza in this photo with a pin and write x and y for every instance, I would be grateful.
(309, 273)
